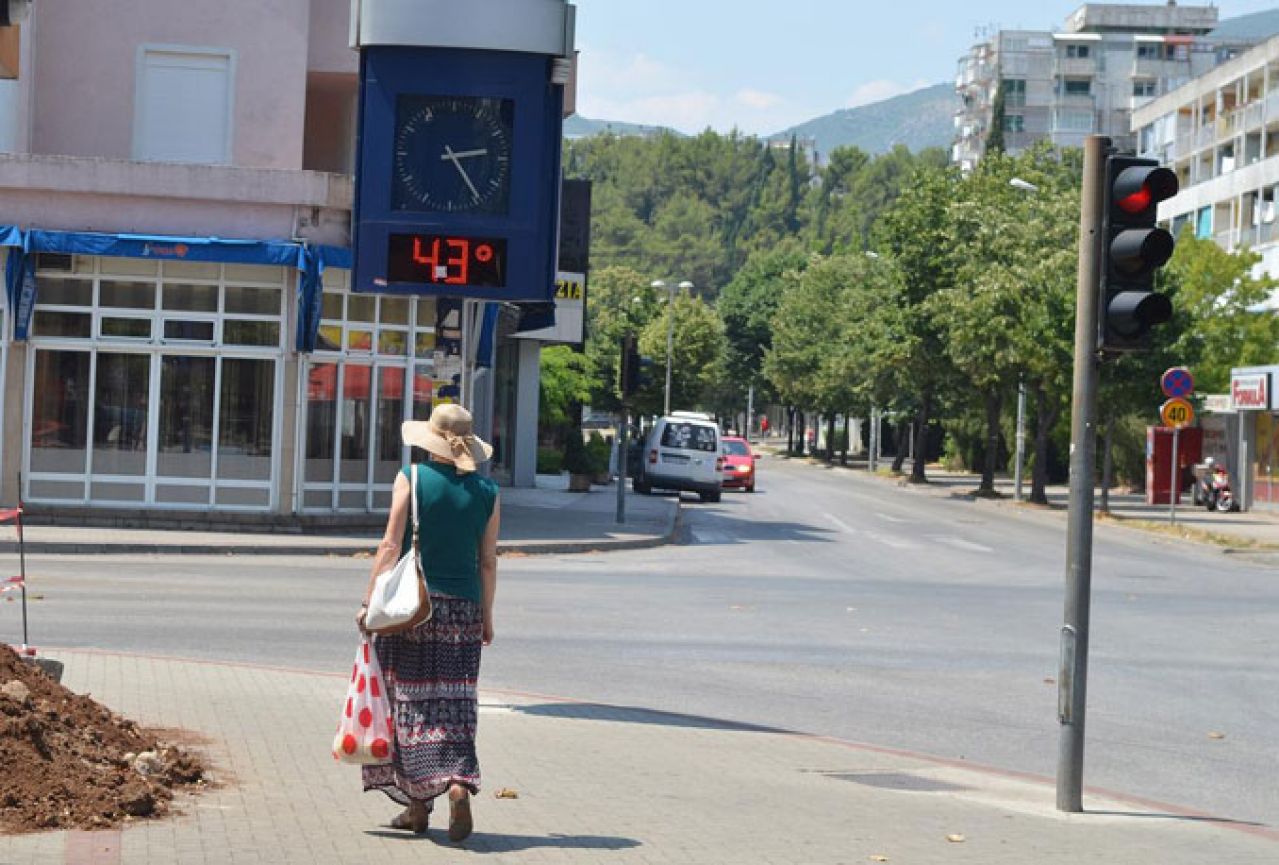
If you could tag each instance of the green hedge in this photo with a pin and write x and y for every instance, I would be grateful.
(549, 461)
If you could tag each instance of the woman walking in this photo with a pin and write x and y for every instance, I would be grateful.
(432, 669)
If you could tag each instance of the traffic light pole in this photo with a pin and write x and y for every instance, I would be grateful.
(1073, 677)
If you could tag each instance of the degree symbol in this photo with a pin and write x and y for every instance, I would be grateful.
(484, 253)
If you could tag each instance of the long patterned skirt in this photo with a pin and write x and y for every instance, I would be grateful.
(432, 672)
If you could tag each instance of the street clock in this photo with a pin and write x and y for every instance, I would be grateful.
(458, 157)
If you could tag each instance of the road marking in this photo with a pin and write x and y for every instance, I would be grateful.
(962, 544)
(890, 518)
(892, 541)
(840, 524)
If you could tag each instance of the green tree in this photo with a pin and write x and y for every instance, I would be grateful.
(567, 379)
(620, 300)
(915, 232)
(1219, 305)
(696, 350)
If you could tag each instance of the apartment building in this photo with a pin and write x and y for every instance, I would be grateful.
(1086, 79)
(177, 331)
(1220, 133)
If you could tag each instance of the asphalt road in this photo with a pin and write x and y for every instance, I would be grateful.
(826, 602)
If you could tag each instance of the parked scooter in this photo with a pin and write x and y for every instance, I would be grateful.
(1212, 487)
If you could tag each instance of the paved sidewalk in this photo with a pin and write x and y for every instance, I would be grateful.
(1235, 532)
(596, 784)
(548, 519)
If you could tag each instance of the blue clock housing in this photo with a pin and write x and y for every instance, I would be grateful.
(458, 174)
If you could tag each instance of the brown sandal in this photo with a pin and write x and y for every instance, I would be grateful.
(409, 822)
(460, 823)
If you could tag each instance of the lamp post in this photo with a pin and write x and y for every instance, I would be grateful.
(670, 332)
(1018, 470)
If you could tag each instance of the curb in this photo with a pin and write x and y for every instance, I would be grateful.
(530, 548)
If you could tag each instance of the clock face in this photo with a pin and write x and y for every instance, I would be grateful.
(452, 154)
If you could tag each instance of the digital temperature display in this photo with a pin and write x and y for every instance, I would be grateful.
(440, 259)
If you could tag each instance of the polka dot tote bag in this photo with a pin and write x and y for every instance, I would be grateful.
(365, 727)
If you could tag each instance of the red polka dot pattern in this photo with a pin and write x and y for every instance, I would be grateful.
(366, 704)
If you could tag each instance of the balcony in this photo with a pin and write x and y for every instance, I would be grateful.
(1206, 136)
(1076, 67)
(1076, 101)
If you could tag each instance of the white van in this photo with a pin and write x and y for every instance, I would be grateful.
(683, 453)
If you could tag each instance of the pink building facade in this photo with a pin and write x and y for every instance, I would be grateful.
(167, 174)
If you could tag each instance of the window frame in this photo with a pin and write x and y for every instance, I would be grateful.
(140, 117)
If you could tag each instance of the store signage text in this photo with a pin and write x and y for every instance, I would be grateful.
(1250, 391)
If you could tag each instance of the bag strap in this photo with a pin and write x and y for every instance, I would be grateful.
(413, 499)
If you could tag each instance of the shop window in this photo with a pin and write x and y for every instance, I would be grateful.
(60, 412)
(361, 307)
(180, 297)
(253, 301)
(185, 447)
(178, 270)
(394, 310)
(393, 342)
(126, 295)
(246, 409)
(250, 333)
(120, 406)
(66, 325)
(126, 328)
(64, 292)
(181, 330)
(321, 422)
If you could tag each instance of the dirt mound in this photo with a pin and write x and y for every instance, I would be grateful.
(67, 762)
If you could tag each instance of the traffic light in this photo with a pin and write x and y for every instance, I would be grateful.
(1134, 249)
(635, 367)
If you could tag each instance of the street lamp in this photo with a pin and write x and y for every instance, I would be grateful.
(670, 331)
(1020, 461)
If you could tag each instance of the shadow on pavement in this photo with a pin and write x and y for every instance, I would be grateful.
(1187, 818)
(634, 715)
(494, 842)
(719, 528)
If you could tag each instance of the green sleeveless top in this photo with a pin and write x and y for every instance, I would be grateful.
(453, 511)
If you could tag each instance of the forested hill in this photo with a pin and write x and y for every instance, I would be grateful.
(577, 126)
(695, 208)
(924, 118)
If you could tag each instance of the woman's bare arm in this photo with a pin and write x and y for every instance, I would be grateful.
(488, 568)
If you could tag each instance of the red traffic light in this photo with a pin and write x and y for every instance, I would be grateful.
(1140, 187)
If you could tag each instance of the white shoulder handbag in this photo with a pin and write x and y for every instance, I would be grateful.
(400, 599)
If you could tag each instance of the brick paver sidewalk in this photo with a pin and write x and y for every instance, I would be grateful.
(596, 784)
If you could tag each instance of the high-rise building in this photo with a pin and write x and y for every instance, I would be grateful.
(1085, 79)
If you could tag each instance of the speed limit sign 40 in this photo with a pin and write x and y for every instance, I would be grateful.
(1177, 413)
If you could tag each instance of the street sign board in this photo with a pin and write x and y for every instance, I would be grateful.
(1177, 413)
(1177, 382)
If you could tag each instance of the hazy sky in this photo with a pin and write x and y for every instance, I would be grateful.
(762, 66)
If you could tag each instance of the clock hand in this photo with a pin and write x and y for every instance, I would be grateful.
(463, 154)
(449, 154)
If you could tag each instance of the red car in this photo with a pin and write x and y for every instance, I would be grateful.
(739, 464)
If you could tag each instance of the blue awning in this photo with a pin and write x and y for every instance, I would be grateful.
(167, 247)
(311, 289)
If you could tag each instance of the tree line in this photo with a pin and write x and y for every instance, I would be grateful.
(890, 281)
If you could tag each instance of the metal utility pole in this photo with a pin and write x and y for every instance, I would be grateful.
(1021, 439)
(1073, 677)
(750, 411)
(621, 465)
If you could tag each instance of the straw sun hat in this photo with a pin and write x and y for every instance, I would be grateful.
(448, 435)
